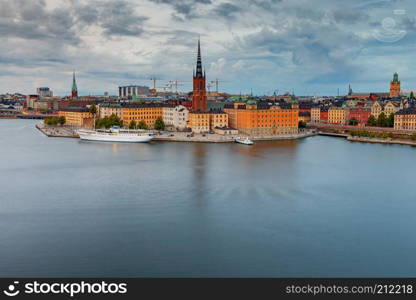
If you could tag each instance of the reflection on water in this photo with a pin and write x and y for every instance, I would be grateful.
(314, 207)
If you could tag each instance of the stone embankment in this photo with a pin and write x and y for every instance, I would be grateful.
(381, 141)
(57, 131)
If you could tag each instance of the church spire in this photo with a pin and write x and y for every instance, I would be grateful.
(199, 73)
(74, 90)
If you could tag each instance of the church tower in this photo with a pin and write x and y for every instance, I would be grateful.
(199, 97)
(74, 90)
(395, 86)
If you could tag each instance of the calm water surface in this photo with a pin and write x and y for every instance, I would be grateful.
(316, 207)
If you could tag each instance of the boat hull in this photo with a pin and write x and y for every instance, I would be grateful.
(115, 138)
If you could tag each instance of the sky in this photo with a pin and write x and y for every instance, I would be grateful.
(311, 47)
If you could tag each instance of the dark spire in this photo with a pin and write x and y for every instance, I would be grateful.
(199, 62)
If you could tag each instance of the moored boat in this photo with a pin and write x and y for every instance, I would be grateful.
(244, 140)
(115, 134)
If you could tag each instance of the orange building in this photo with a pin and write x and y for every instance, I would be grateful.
(256, 121)
(141, 112)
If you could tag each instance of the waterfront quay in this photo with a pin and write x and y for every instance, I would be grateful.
(70, 132)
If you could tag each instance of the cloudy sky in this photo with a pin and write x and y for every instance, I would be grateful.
(312, 47)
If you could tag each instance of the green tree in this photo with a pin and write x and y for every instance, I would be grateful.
(133, 124)
(93, 109)
(390, 121)
(382, 120)
(412, 96)
(142, 125)
(372, 121)
(108, 122)
(353, 122)
(414, 136)
(159, 124)
(302, 124)
(61, 120)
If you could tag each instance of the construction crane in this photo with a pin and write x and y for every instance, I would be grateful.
(154, 79)
(176, 83)
(216, 82)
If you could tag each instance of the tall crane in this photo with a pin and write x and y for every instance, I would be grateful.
(216, 82)
(176, 83)
(154, 79)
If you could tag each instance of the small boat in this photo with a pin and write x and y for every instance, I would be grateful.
(115, 134)
(243, 140)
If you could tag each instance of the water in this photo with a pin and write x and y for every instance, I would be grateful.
(316, 207)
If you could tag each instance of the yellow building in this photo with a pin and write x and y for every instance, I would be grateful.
(391, 108)
(218, 120)
(199, 122)
(79, 117)
(338, 115)
(141, 112)
(108, 109)
(405, 119)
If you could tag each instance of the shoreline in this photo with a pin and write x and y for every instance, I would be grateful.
(66, 132)
(381, 141)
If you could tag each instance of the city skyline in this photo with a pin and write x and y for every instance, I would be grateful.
(262, 46)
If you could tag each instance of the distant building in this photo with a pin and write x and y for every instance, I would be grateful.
(338, 115)
(44, 92)
(405, 119)
(360, 114)
(395, 86)
(107, 109)
(132, 90)
(77, 116)
(304, 116)
(315, 114)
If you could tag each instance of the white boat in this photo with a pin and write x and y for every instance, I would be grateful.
(115, 134)
(243, 140)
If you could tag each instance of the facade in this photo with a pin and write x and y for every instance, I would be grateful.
(131, 90)
(391, 108)
(405, 119)
(108, 109)
(74, 89)
(315, 114)
(167, 115)
(273, 120)
(218, 120)
(199, 95)
(376, 109)
(324, 115)
(360, 113)
(180, 117)
(44, 92)
(199, 122)
(79, 117)
(395, 86)
(338, 115)
(304, 116)
(138, 112)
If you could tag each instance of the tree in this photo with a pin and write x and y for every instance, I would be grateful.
(302, 124)
(61, 120)
(142, 125)
(133, 124)
(382, 120)
(390, 121)
(159, 124)
(414, 136)
(372, 121)
(108, 122)
(93, 109)
(412, 96)
(353, 122)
